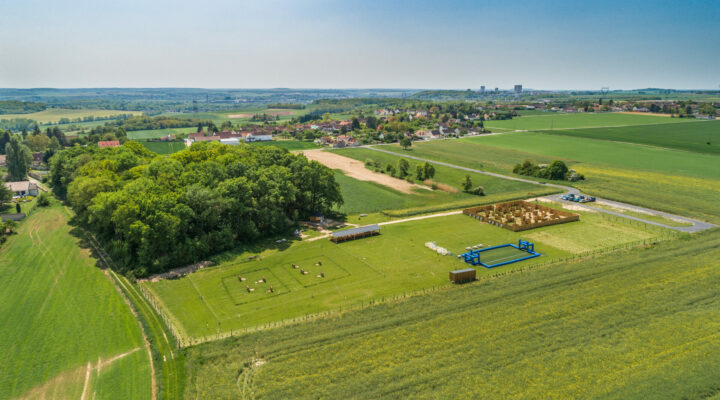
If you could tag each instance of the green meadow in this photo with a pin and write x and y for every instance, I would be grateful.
(395, 262)
(634, 324)
(53, 115)
(691, 136)
(675, 181)
(61, 316)
(367, 197)
(290, 145)
(158, 133)
(550, 121)
(163, 148)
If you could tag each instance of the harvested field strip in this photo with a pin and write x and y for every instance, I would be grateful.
(356, 170)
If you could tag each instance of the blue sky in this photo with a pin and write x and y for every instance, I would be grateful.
(360, 44)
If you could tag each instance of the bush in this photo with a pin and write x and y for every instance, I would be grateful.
(478, 191)
(43, 200)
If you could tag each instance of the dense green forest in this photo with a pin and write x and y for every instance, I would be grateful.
(20, 107)
(153, 213)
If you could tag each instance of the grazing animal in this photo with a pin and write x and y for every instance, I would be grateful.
(271, 289)
(241, 278)
(321, 275)
(249, 289)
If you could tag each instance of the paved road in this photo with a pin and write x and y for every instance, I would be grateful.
(697, 225)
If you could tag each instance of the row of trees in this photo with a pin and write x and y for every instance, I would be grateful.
(557, 170)
(153, 213)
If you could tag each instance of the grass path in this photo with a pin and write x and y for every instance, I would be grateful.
(163, 347)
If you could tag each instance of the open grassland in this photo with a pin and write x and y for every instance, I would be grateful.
(158, 133)
(637, 324)
(675, 181)
(357, 272)
(63, 320)
(690, 136)
(366, 197)
(164, 147)
(240, 115)
(53, 115)
(290, 145)
(551, 121)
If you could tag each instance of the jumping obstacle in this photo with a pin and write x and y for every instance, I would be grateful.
(472, 257)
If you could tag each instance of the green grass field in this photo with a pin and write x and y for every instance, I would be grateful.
(218, 117)
(158, 133)
(366, 197)
(637, 324)
(60, 313)
(578, 120)
(53, 115)
(290, 145)
(357, 272)
(675, 181)
(164, 147)
(690, 136)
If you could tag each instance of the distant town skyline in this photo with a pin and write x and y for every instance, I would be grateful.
(559, 45)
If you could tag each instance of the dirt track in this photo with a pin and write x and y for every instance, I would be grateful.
(356, 169)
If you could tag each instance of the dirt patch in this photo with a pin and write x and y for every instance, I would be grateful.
(574, 207)
(441, 186)
(244, 115)
(645, 113)
(177, 272)
(356, 170)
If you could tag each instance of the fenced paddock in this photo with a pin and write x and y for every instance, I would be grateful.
(520, 215)
(496, 256)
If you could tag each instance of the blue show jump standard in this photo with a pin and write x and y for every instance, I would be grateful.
(473, 256)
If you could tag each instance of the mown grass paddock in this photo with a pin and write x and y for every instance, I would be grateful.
(214, 301)
(636, 324)
(520, 215)
(61, 315)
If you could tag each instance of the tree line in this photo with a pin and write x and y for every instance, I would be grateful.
(153, 213)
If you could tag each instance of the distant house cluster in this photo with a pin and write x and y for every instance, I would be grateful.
(228, 137)
(339, 141)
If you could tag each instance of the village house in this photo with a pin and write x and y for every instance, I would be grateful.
(22, 188)
(109, 143)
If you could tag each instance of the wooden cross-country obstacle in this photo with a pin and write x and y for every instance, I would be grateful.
(355, 233)
(520, 215)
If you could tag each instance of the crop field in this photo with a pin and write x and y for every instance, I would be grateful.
(356, 272)
(690, 136)
(62, 316)
(675, 181)
(447, 175)
(53, 115)
(550, 121)
(639, 324)
(164, 147)
(158, 133)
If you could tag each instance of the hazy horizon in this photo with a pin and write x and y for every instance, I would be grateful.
(317, 44)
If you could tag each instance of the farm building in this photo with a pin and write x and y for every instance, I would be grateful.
(462, 275)
(355, 233)
(520, 215)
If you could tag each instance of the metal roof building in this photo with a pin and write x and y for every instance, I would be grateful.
(355, 233)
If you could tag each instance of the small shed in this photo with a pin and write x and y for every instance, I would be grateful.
(462, 275)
